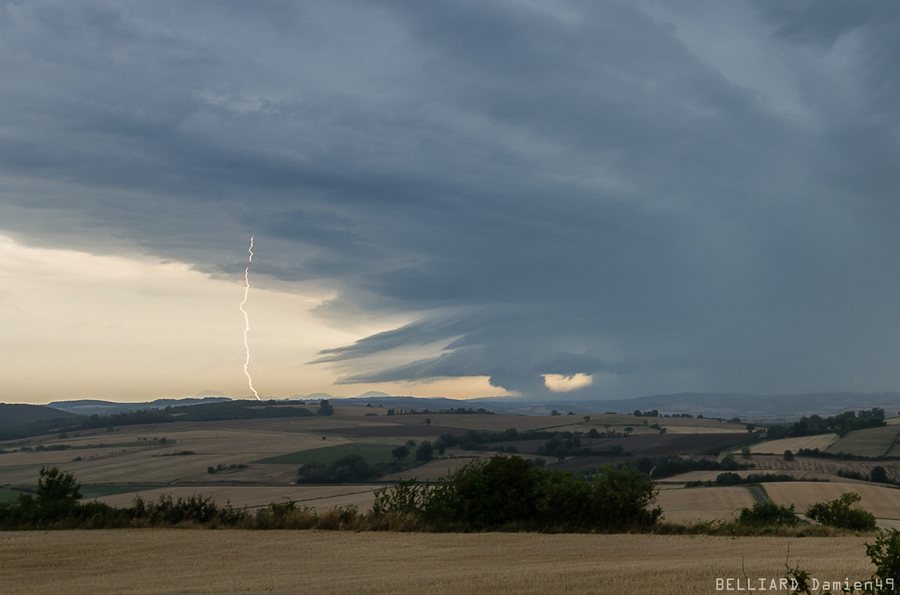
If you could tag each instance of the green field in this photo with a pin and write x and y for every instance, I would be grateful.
(8, 496)
(872, 442)
(373, 453)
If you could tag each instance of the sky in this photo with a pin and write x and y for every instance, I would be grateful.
(553, 199)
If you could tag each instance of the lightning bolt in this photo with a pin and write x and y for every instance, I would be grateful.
(247, 320)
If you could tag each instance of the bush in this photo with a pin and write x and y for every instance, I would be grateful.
(768, 514)
(511, 492)
(885, 556)
(838, 513)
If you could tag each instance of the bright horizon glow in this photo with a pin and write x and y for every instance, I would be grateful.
(139, 328)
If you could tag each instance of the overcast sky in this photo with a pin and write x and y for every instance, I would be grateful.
(579, 199)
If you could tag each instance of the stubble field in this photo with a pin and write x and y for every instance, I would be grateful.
(205, 562)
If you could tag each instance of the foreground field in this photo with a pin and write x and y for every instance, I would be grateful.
(201, 562)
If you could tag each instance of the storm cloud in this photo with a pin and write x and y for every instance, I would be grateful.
(663, 196)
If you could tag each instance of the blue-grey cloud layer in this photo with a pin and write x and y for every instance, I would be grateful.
(667, 195)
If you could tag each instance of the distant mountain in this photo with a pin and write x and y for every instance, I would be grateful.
(210, 393)
(373, 393)
(94, 407)
(16, 414)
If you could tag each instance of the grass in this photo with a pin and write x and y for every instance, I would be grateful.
(373, 453)
(8, 496)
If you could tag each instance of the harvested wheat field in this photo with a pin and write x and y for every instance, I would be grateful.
(703, 504)
(777, 447)
(822, 468)
(206, 562)
(883, 502)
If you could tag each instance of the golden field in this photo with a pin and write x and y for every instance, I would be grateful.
(132, 461)
(777, 447)
(191, 562)
(703, 504)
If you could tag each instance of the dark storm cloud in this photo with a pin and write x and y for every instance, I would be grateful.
(552, 188)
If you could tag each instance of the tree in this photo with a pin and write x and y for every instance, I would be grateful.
(425, 452)
(745, 452)
(325, 408)
(587, 418)
(427, 421)
(837, 513)
(788, 455)
(57, 495)
(555, 412)
(411, 443)
(628, 430)
(55, 485)
(401, 452)
(879, 475)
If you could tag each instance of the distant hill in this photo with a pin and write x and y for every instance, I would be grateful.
(94, 407)
(761, 407)
(757, 408)
(16, 414)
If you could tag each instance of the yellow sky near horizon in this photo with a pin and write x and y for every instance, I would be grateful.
(136, 328)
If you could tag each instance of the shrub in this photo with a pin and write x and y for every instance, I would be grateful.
(768, 514)
(838, 513)
(885, 556)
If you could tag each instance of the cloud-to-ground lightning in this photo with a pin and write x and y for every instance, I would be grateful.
(247, 320)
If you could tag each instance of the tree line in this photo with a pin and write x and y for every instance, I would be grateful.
(227, 410)
(839, 424)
